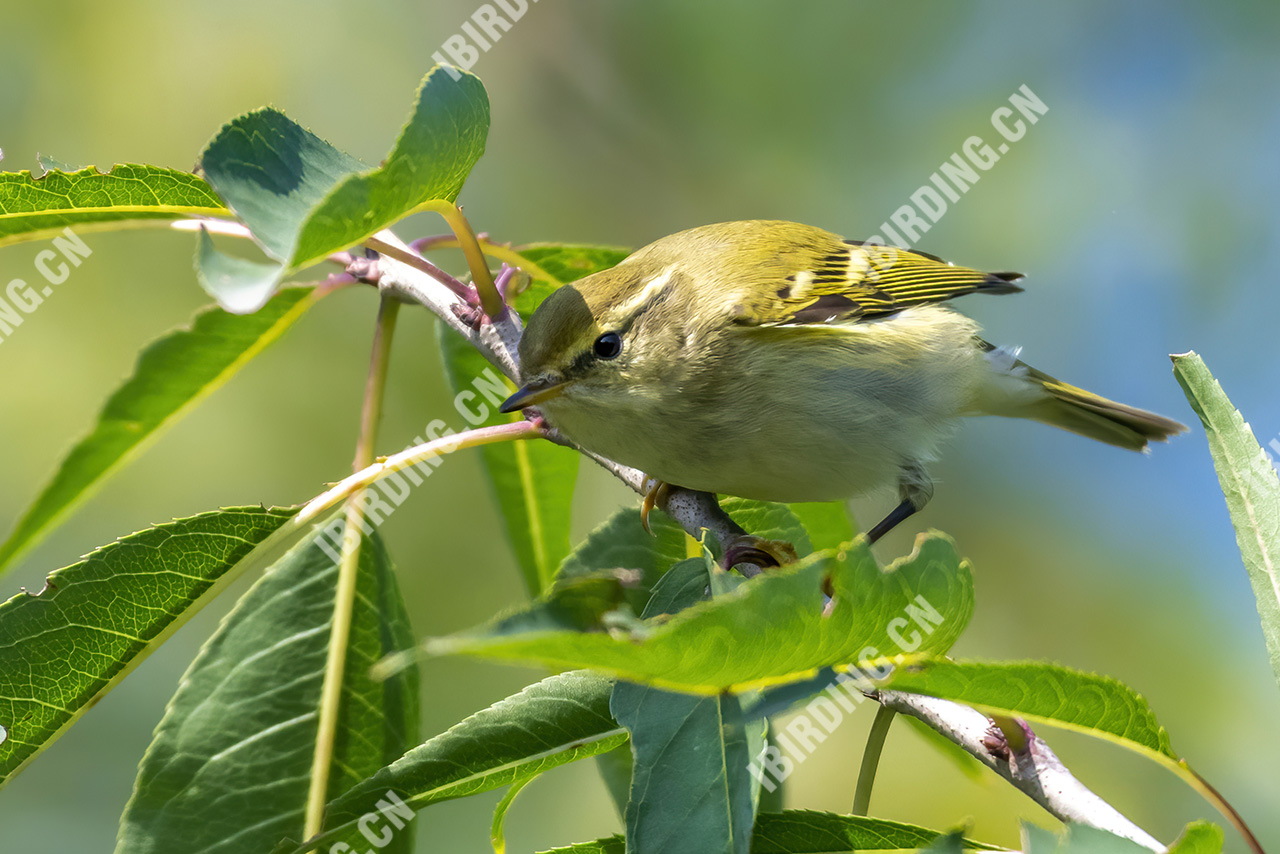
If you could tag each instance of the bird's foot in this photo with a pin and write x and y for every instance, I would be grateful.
(758, 552)
(651, 498)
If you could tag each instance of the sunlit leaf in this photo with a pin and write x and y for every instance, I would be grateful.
(1199, 837)
(302, 199)
(497, 830)
(230, 765)
(33, 208)
(1085, 702)
(63, 648)
(568, 262)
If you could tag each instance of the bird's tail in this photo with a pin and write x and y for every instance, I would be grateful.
(1020, 391)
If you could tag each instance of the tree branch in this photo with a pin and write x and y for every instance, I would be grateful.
(1035, 770)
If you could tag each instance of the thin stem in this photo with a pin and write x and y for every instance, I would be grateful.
(497, 251)
(498, 340)
(348, 566)
(871, 760)
(412, 457)
(490, 300)
(406, 256)
(497, 835)
(1215, 797)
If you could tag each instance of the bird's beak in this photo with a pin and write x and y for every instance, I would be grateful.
(532, 394)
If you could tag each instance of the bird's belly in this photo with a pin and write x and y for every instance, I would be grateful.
(798, 445)
(797, 452)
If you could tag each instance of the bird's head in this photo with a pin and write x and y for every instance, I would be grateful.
(602, 340)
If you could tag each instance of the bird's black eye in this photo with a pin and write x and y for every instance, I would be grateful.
(608, 345)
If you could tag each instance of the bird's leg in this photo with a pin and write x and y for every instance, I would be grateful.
(749, 553)
(914, 489)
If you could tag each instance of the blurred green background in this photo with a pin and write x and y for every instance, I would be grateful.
(1143, 206)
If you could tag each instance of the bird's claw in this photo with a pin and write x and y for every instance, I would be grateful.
(763, 553)
(656, 493)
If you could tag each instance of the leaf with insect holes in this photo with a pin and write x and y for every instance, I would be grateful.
(130, 194)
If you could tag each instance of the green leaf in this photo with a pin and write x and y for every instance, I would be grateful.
(1251, 487)
(272, 173)
(231, 762)
(621, 541)
(551, 265)
(1199, 837)
(63, 648)
(1038, 839)
(690, 788)
(239, 285)
(812, 832)
(532, 482)
(1085, 702)
(773, 796)
(550, 723)
(173, 374)
(431, 158)
(303, 199)
(85, 200)
(771, 630)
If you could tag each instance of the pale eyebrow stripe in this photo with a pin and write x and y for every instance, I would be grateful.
(648, 292)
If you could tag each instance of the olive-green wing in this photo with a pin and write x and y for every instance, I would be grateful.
(851, 280)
